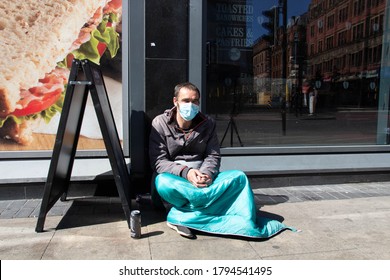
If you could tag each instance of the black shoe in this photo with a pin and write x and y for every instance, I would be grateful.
(182, 230)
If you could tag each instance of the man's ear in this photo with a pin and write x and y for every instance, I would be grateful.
(174, 100)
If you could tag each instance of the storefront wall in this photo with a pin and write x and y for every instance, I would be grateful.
(263, 129)
(257, 97)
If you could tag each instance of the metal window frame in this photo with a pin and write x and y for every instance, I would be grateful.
(133, 67)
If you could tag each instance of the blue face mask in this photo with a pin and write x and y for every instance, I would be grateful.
(188, 111)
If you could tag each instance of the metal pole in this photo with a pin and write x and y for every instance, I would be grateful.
(283, 4)
(284, 39)
(296, 77)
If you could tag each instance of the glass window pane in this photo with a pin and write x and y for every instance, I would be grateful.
(298, 72)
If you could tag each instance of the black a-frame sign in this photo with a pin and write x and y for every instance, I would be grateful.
(84, 77)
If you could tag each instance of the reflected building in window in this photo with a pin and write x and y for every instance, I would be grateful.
(345, 45)
(335, 46)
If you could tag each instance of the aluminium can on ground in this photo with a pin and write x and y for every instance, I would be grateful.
(135, 224)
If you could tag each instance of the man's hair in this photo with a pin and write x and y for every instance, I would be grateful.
(186, 85)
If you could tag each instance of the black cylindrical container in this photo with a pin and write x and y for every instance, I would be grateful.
(135, 223)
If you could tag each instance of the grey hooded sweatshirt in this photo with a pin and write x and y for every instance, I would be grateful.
(176, 151)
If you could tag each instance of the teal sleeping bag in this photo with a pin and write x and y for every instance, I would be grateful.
(225, 207)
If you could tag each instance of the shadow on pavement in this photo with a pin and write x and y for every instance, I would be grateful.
(94, 211)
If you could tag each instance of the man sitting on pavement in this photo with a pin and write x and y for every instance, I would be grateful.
(185, 155)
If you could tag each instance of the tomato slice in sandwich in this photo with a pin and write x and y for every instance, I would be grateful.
(38, 105)
(41, 97)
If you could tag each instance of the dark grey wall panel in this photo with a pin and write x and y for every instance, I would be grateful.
(162, 76)
(166, 29)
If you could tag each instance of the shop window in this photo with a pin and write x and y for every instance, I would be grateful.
(320, 46)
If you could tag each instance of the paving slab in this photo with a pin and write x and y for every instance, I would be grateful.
(19, 241)
(110, 240)
(203, 248)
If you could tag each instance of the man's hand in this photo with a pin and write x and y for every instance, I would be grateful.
(198, 179)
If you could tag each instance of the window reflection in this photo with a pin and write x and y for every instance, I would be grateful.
(303, 72)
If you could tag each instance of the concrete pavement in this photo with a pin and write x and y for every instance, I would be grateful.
(337, 222)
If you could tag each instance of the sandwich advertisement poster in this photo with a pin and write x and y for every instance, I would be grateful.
(39, 40)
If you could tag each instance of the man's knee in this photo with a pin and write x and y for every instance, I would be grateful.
(236, 174)
(157, 201)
